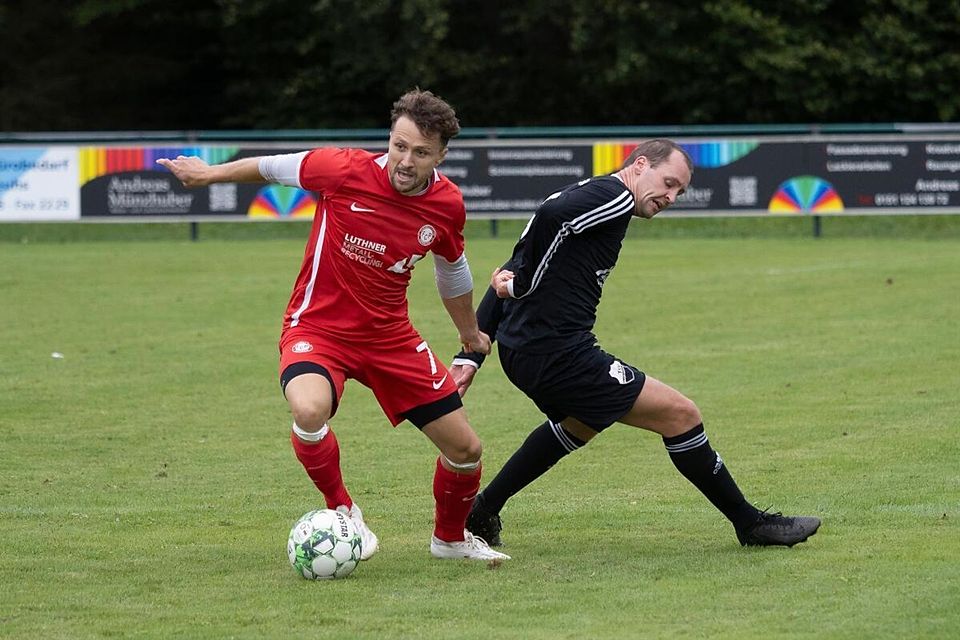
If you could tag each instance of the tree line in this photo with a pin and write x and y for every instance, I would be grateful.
(146, 65)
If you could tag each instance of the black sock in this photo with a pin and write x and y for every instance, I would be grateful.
(700, 464)
(541, 450)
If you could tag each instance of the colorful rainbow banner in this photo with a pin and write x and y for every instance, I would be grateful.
(275, 201)
(805, 194)
(710, 155)
(609, 156)
(101, 161)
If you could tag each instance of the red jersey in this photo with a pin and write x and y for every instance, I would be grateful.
(365, 239)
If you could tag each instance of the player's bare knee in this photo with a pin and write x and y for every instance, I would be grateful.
(309, 416)
(466, 453)
(686, 414)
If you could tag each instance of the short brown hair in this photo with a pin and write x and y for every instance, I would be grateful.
(656, 151)
(429, 112)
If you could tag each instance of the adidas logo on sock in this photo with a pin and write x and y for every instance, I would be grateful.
(718, 465)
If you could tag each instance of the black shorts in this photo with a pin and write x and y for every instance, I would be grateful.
(585, 383)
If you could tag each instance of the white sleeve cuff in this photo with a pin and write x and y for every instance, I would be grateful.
(510, 288)
(283, 169)
(465, 362)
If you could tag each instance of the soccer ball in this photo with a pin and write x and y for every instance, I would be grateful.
(323, 545)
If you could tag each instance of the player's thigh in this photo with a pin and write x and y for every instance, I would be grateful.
(311, 400)
(410, 383)
(661, 408)
(454, 437)
(312, 374)
(582, 386)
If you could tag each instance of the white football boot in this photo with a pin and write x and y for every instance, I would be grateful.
(368, 538)
(470, 547)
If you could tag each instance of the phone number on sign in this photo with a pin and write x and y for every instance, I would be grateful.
(911, 199)
(43, 204)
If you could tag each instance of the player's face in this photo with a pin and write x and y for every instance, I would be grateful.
(656, 188)
(412, 156)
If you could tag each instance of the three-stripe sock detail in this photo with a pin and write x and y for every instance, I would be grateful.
(696, 460)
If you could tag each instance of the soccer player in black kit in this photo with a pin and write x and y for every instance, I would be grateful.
(541, 307)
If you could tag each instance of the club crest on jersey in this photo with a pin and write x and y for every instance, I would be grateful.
(621, 372)
(426, 235)
(302, 347)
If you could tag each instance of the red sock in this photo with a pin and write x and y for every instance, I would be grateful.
(454, 493)
(322, 463)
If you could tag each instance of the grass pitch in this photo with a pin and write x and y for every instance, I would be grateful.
(147, 485)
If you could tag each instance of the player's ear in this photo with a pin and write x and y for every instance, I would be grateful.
(443, 155)
(640, 163)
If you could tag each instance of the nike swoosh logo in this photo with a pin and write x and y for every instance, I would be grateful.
(355, 207)
(439, 383)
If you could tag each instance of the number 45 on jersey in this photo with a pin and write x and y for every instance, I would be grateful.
(406, 264)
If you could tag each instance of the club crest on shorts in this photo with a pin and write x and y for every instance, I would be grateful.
(302, 347)
(426, 235)
(621, 372)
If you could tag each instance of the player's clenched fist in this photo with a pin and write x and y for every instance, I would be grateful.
(500, 280)
(480, 343)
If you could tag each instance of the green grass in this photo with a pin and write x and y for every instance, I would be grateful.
(147, 485)
(772, 226)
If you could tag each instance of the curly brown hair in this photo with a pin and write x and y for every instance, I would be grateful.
(429, 112)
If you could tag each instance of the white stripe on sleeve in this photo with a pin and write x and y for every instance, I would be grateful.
(623, 204)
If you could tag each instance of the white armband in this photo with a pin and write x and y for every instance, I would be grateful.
(282, 169)
(453, 278)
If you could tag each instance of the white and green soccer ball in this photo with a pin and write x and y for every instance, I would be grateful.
(323, 545)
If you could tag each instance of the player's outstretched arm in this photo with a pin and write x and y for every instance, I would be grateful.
(194, 172)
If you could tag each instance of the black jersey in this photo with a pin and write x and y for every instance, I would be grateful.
(560, 264)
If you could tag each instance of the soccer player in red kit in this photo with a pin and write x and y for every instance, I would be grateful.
(377, 215)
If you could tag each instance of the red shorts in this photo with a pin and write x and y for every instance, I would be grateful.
(403, 376)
